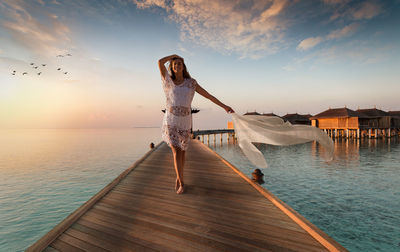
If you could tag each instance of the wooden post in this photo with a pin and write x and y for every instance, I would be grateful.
(347, 133)
(358, 133)
(208, 139)
(202, 138)
(376, 133)
(221, 138)
(389, 133)
(215, 138)
(369, 133)
(335, 133)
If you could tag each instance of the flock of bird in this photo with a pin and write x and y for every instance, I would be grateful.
(43, 65)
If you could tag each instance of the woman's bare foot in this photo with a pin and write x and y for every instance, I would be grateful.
(181, 189)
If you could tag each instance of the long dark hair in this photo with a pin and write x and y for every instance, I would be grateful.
(185, 73)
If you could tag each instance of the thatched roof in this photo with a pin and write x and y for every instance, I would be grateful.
(338, 113)
(252, 113)
(296, 118)
(373, 113)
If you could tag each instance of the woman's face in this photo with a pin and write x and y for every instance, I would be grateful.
(177, 66)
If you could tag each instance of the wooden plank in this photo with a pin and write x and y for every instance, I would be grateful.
(64, 247)
(211, 189)
(104, 241)
(50, 249)
(214, 230)
(136, 227)
(211, 202)
(111, 240)
(233, 218)
(234, 214)
(77, 242)
(169, 240)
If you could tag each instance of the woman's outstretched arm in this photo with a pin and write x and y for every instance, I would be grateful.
(207, 95)
(161, 63)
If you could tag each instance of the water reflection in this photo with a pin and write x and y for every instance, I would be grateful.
(346, 151)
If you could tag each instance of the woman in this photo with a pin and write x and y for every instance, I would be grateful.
(179, 90)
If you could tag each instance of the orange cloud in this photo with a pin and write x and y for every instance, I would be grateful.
(367, 10)
(309, 43)
(345, 31)
(336, 34)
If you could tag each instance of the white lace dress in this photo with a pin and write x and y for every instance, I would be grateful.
(177, 120)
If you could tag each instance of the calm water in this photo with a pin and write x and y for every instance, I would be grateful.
(47, 174)
(355, 199)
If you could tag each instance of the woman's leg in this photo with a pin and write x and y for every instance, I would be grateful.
(182, 160)
(177, 153)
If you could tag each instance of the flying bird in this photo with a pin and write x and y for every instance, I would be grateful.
(39, 73)
(35, 67)
(60, 55)
(65, 72)
(69, 54)
(32, 64)
(43, 64)
(58, 69)
(24, 73)
(13, 73)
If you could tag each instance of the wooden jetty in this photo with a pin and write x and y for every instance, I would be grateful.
(222, 210)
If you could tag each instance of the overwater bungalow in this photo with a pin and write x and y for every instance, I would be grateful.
(297, 119)
(344, 122)
(375, 120)
(339, 122)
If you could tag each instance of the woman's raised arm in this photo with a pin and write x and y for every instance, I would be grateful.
(207, 95)
(161, 63)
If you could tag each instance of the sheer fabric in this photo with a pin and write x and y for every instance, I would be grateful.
(273, 130)
(177, 120)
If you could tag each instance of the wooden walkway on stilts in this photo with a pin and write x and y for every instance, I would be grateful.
(222, 210)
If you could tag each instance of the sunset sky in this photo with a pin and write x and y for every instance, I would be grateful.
(276, 56)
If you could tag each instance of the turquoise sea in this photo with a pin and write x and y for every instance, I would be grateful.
(45, 174)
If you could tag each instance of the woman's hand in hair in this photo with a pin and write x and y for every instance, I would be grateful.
(175, 56)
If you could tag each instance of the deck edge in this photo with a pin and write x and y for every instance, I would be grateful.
(325, 240)
(56, 231)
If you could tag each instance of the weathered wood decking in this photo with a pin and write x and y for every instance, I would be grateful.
(220, 211)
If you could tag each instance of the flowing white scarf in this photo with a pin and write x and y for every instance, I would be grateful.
(273, 130)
